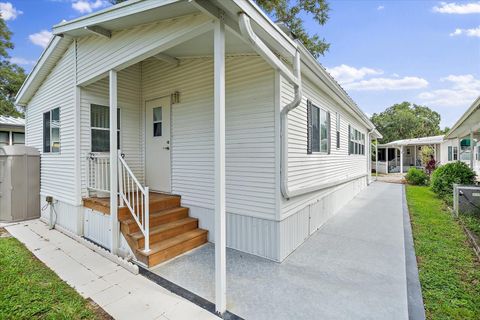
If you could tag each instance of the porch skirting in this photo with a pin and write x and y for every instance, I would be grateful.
(66, 215)
(275, 240)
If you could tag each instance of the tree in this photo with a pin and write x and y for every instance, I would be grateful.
(406, 121)
(288, 13)
(11, 75)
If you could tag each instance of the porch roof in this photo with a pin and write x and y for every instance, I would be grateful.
(414, 142)
(470, 120)
(7, 121)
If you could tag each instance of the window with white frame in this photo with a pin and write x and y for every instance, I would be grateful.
(338, 130)
(18, 138)
(51, 131)
(356, 143)
(318, 129)
(100, 128)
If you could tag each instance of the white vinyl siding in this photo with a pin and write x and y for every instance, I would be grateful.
(131, 118)
(57, 91)
(306, 170)
(250, 131)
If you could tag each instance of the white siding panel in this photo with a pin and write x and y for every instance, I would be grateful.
(250, 132)
(131, 118)
(97, 55)
(96, 227)
(65, 215)
(311, 169)
(57, 169)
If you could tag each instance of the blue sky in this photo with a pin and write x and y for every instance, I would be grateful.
(382, 52)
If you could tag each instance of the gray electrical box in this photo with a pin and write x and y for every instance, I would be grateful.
(19, 183)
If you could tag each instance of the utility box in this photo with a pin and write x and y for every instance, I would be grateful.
(19, 183)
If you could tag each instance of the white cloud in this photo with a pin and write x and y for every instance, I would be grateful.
(454, 8)
(462, 90)
(41, 38)
(405, 83)
(379, 8)
(474, 32)
(22, 61)
(8, 12)
(346, 74)
(87, 6)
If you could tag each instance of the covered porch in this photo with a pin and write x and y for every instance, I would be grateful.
(401, 155)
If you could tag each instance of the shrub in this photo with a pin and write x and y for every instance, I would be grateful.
(445, 176)
(416, 177)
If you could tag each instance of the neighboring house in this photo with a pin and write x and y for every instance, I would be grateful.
(400, 155)
(201, 101)
(461, 142)
(12, 131)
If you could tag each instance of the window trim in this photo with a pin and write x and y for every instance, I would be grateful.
(356, 141)
(310, 150)
(50, 140)
(119, 126)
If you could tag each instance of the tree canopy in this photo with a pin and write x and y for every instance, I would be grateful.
(11, 75)
(406, 121)
(289, 13)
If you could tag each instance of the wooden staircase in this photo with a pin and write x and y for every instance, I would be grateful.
(172, 230)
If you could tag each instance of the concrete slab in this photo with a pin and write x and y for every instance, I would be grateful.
(351, 268)
(119, 292)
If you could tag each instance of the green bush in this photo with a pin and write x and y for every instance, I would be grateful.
(445, 176)
(416, 177)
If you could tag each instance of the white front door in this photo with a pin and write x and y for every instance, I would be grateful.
(157, 144)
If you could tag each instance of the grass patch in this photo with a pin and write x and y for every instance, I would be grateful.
(30, 290)
(448, 269)
(472, 222)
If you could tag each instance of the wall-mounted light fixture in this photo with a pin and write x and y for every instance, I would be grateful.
(175, 97)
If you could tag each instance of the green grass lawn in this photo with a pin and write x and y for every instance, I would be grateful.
(30, 290)
(448, 269)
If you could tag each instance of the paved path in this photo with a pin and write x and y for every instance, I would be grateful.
(352, 268)
(119, 292)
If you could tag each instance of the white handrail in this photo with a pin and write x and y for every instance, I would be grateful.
(98, 172)
(135, 197)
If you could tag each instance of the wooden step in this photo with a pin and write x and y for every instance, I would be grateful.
(172, 247)
(158, 202)
(157, 218)
(165, 231)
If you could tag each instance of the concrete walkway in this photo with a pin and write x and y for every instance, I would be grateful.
(122, 294)
(352, 268)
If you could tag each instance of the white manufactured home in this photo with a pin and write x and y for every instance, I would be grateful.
(164, 124)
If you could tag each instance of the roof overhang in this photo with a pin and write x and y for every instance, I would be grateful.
(414, 142)
(468, 122)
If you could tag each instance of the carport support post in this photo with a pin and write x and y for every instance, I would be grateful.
(376, 158)
(113, 162)
(401, 159)
(219, 120)
(386, 160)
(471, 149)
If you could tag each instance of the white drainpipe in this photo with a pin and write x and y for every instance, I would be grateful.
(296, 80)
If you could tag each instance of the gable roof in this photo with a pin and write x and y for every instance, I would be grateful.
(470, 120)
(135, 12)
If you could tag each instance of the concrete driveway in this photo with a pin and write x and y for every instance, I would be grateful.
(354, 267)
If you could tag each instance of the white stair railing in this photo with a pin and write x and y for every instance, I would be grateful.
(135, 197)
(98, 172)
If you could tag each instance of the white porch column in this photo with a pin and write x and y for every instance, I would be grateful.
(415, 155)
(472, 149)
(219, 120)
(401, 159)
(386, 160)
(376, 158)
(113, 163)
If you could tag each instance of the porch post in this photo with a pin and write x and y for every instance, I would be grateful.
(219, 120)
(113, 162)
(386, 160)
(415, 155)
(376, 158)
(401, 159)
(471, 149)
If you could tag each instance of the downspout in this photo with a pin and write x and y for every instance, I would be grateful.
(369, 157)
(295, 79)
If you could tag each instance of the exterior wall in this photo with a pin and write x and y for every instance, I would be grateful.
(444, 149)
(131, 118)
(57, 169)
(250, 134)
(66, 215)
(302, 215)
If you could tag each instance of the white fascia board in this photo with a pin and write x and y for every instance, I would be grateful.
(33, 75)
(453, 132)
(118, 11)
